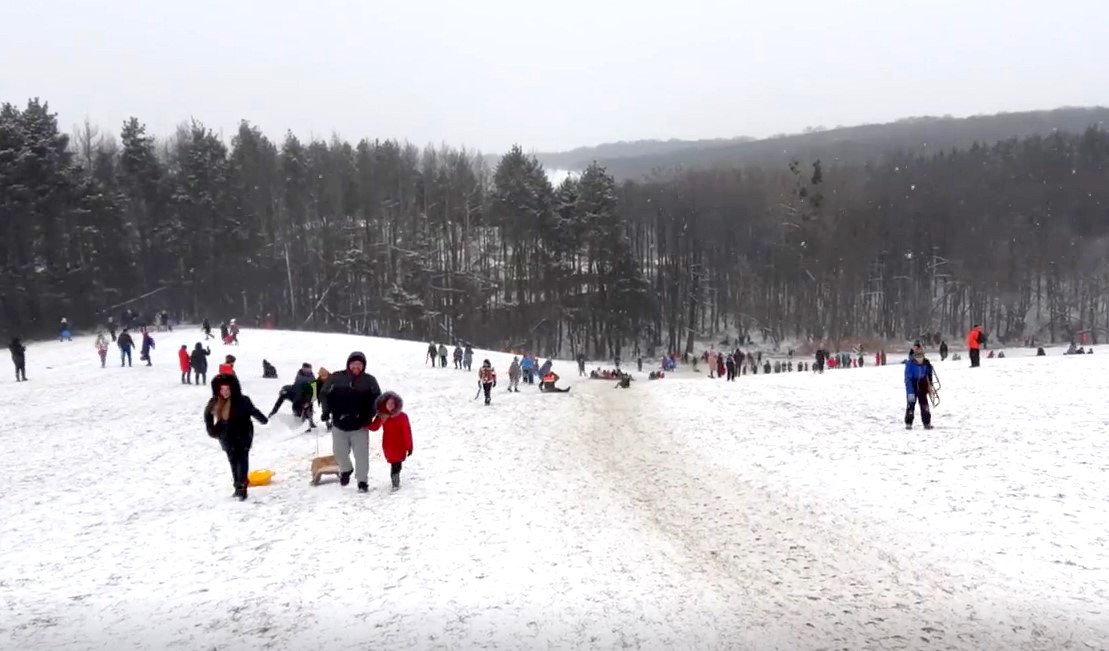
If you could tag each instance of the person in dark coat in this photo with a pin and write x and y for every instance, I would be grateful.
(198, 360)
(730, 364)
(581, 365)
(227, 418)
(126, 345)
(147, 346)
(349, 405)
(207, 328)
(19, 359)
(268, 370)
(112, 327)
(468, 357)
(943, 350)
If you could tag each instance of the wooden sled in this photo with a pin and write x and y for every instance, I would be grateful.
(324, 466)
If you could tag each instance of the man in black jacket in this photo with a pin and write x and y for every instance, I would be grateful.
(126, 344)
(227, 418)
(349, 404)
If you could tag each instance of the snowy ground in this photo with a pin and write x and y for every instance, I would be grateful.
(777, 512)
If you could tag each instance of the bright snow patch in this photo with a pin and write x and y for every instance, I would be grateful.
(785, 511)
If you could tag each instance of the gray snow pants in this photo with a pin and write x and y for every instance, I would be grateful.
(358, 441)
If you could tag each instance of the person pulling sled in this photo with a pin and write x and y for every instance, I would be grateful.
(919, 387)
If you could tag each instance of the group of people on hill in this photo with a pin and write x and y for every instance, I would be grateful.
(522, 368)
(352, 405)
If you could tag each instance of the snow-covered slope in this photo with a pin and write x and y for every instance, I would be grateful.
(784, 511)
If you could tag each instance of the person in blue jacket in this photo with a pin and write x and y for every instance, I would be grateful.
(527, 366)
(918, 384)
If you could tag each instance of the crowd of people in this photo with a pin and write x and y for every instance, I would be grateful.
(351, 403)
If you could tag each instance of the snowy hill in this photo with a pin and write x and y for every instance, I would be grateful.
(787, 511)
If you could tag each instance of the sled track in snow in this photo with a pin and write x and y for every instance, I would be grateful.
(786, 569)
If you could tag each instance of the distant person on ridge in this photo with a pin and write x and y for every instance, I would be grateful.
(443, 355)
(468, 357)
(458, 357)
(126, 345)
(147, 347)
(19, 359)
(432, 354)
(975, 339)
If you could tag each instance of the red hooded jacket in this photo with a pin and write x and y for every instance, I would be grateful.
(396, 439)
(974, 338)
(183, 359)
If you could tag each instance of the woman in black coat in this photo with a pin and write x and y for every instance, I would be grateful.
(198, 361)
(227, 418)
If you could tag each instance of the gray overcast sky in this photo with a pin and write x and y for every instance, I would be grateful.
(551, 75)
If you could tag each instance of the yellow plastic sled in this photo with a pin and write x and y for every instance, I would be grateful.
(259, 477)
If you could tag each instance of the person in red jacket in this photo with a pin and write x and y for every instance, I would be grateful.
(186, 366)
(487, 379)
(974, 345)
(228, 366)
(396, 439)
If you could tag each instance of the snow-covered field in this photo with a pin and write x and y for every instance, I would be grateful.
(777, 512)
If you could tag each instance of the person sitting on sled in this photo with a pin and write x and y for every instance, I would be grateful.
(547, 384)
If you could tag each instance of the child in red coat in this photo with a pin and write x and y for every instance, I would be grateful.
(185, 364)
(396, 439)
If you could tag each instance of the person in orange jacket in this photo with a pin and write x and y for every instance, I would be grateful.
(185, 363)
(396, 438)
(975, 340)
(228, 366)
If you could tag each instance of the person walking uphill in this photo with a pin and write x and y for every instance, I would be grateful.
(442, 355)
(487, 379)
(185, 362)
(19, 359)
(514, 375)
(126, 345)
(349, 404)
(147, 346)
(102, 349)
(975, 339)
(227, 418)
(918, 384)
(396, 438)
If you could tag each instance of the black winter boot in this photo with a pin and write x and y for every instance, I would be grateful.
(344, 477)
(363, 487)
(396, 480)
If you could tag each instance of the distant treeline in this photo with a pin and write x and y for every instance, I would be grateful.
(383, 238)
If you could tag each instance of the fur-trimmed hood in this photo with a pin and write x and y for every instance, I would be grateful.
(380, 404)
(230, 380)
